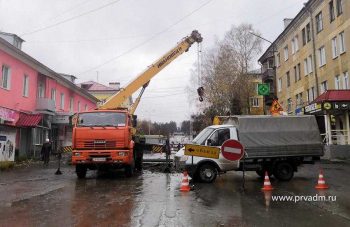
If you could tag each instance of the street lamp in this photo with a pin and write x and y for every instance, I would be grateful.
(274, 64)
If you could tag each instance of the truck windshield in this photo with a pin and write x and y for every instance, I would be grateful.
(101, 119)
(202, 136)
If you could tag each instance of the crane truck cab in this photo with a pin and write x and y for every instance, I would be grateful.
(278, 145)
(102, 139)
(105, 137)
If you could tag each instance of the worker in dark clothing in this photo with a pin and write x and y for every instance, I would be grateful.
(45, 152)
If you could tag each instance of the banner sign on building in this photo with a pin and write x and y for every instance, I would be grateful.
(7, 144)
(8, 115)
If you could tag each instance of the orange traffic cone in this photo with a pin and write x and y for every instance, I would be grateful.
(267, 183)
(321, 183)
(185, 186)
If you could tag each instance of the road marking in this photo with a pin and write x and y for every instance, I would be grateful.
(232, 150)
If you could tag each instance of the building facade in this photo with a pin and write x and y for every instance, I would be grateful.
(256, 106)
(100, 91)
(35, 103)
(311, 58)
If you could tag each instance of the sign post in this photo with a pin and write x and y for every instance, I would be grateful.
(233, 150)
(202, 151)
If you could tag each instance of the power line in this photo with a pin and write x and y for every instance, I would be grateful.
(69, 10)
(147, 40)
(69, 19)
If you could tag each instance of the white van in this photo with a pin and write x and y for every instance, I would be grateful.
(206, 169)
(277, 145)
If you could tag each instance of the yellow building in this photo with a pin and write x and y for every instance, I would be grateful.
(311, 63)
(311, 53)
(256, 101)
(100, 91)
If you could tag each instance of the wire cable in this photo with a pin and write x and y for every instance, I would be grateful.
(147, 40)
(69, 19)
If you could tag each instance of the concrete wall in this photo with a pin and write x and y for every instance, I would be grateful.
(337, 152)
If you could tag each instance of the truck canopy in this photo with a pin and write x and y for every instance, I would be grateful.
(267, 136)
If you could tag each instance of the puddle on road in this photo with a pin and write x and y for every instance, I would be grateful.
(154, 199)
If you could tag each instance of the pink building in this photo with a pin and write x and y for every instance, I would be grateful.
(35, 102)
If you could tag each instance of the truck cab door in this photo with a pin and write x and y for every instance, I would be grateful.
(217, 138)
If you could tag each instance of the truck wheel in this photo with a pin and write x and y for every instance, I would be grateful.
(81, 171)
(207, 173)
(129, 170)
(283, 171)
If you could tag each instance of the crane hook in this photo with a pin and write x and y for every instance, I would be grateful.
(200, 92)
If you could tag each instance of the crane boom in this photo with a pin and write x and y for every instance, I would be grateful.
(117, 100)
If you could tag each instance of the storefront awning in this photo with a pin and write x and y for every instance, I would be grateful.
(28, 120)
(333, 95)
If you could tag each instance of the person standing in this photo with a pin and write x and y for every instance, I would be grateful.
(45, 152)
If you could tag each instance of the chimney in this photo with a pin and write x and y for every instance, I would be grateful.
(286, 22)
(114, 85)
(12, 38)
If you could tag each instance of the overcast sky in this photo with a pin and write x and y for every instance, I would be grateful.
(118, 39)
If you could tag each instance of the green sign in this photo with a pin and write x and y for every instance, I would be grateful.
(263, 89)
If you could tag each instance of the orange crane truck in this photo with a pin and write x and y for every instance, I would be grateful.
(104, 138)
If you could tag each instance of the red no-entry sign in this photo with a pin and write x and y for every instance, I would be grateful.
(232, 150)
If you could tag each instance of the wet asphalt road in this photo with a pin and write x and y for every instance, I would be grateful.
(34, 196)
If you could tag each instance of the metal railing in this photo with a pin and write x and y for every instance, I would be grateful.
(338, 137)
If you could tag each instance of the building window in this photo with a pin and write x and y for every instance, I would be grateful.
(270, 64)
(334, 47)
(288, 79)
(321, 56)
(346, 80)
(86, 107)
(71, 104)
(53, 94)
(311, 94)
(309, 64)
(296, 43)
(339, 7)
(299, 99)
(289, 105)
(41, 90)
(337, 82)
(298, 72)
(78, 106)
(341, 43)
(285, 53)
(303, 34)
(279, 85)
(331, 11)
(319, 23)
(293, 46)
(25, 86)
(278, 60)
(254, 102)
(6, 77)
(324, 86)
(62, 101)
(308, 32)
(306, 72)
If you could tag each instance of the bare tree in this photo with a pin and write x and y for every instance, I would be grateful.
(225, 72)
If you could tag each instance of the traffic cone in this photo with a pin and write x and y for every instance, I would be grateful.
(185, 186)
(267, 183)
(321, 183)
